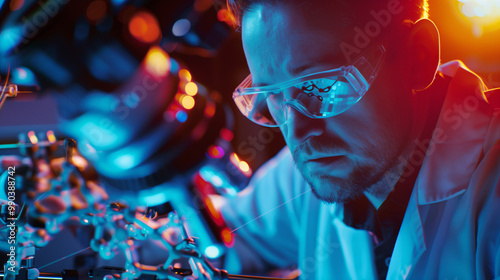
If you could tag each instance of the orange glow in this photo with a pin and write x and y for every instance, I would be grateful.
(185, 75)
(202, 5)
(33, 138)
(225, 16)
(178, 97)
(96, 11)
(213, 212)
(241, 165)
(157, 62)
(191, 88)
(13, 91)
(144, 27)
(51, 137)
(209, 110)
(484, 15)
(80, 162)
(16, 5)
(227, 237)
(187, 102)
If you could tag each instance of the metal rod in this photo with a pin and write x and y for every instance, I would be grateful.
(50, 276)
(43, 275)
(247, 277)
(57, 276)
(40, 144)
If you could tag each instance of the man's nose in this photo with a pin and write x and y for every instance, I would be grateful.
(299, 127)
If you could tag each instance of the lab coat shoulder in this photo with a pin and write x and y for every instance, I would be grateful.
(488, 176)
(456, 199)
(266, 215)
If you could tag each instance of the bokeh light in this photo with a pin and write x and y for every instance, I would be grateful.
(484, 15)
(15, 5)
(241, 165)
(144, 27)
(185, 75)
(226, 134)
(191, 89)
(181, 27)
(225, 16)
(212, 252)
(244, 166)
(202, 5)
(215, 152)
(187, 102)
(181, 116)
(209, 110)
(227, 237)
(96, 11)
(32, 137)
(157, 62)
(51, 137)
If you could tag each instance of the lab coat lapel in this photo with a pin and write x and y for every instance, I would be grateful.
(462, 126)
(410, 244)
(457, 132)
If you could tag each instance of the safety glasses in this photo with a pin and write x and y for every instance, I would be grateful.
(318, 95)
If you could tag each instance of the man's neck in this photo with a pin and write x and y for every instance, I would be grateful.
(428, 104)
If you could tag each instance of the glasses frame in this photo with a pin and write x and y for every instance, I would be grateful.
(351, 73)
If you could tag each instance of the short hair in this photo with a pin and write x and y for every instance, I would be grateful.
(413, 9)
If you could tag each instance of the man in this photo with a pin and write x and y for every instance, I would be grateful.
(396, 160)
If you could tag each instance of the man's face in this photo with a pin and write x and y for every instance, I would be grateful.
(345, 155)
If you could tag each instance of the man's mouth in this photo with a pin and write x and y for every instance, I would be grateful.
(327, 160)
(335, 163)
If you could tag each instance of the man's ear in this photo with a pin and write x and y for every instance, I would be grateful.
(424, 53)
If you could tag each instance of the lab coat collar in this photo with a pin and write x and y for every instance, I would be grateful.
(451, 158)
(457, 142)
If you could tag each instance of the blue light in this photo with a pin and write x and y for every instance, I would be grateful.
(181, 116)
(212, 252)
(157, 199)
(174, 66)
(23, 76)
(112, 64)
(10, 38)
(118, 2)
(181, 27)
(131, 100)
(192, 39)
(51, 68)
(125, 162)
(82, 31)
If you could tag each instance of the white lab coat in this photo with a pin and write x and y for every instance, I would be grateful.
(451, 229)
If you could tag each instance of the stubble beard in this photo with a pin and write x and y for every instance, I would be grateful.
(375, 178)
